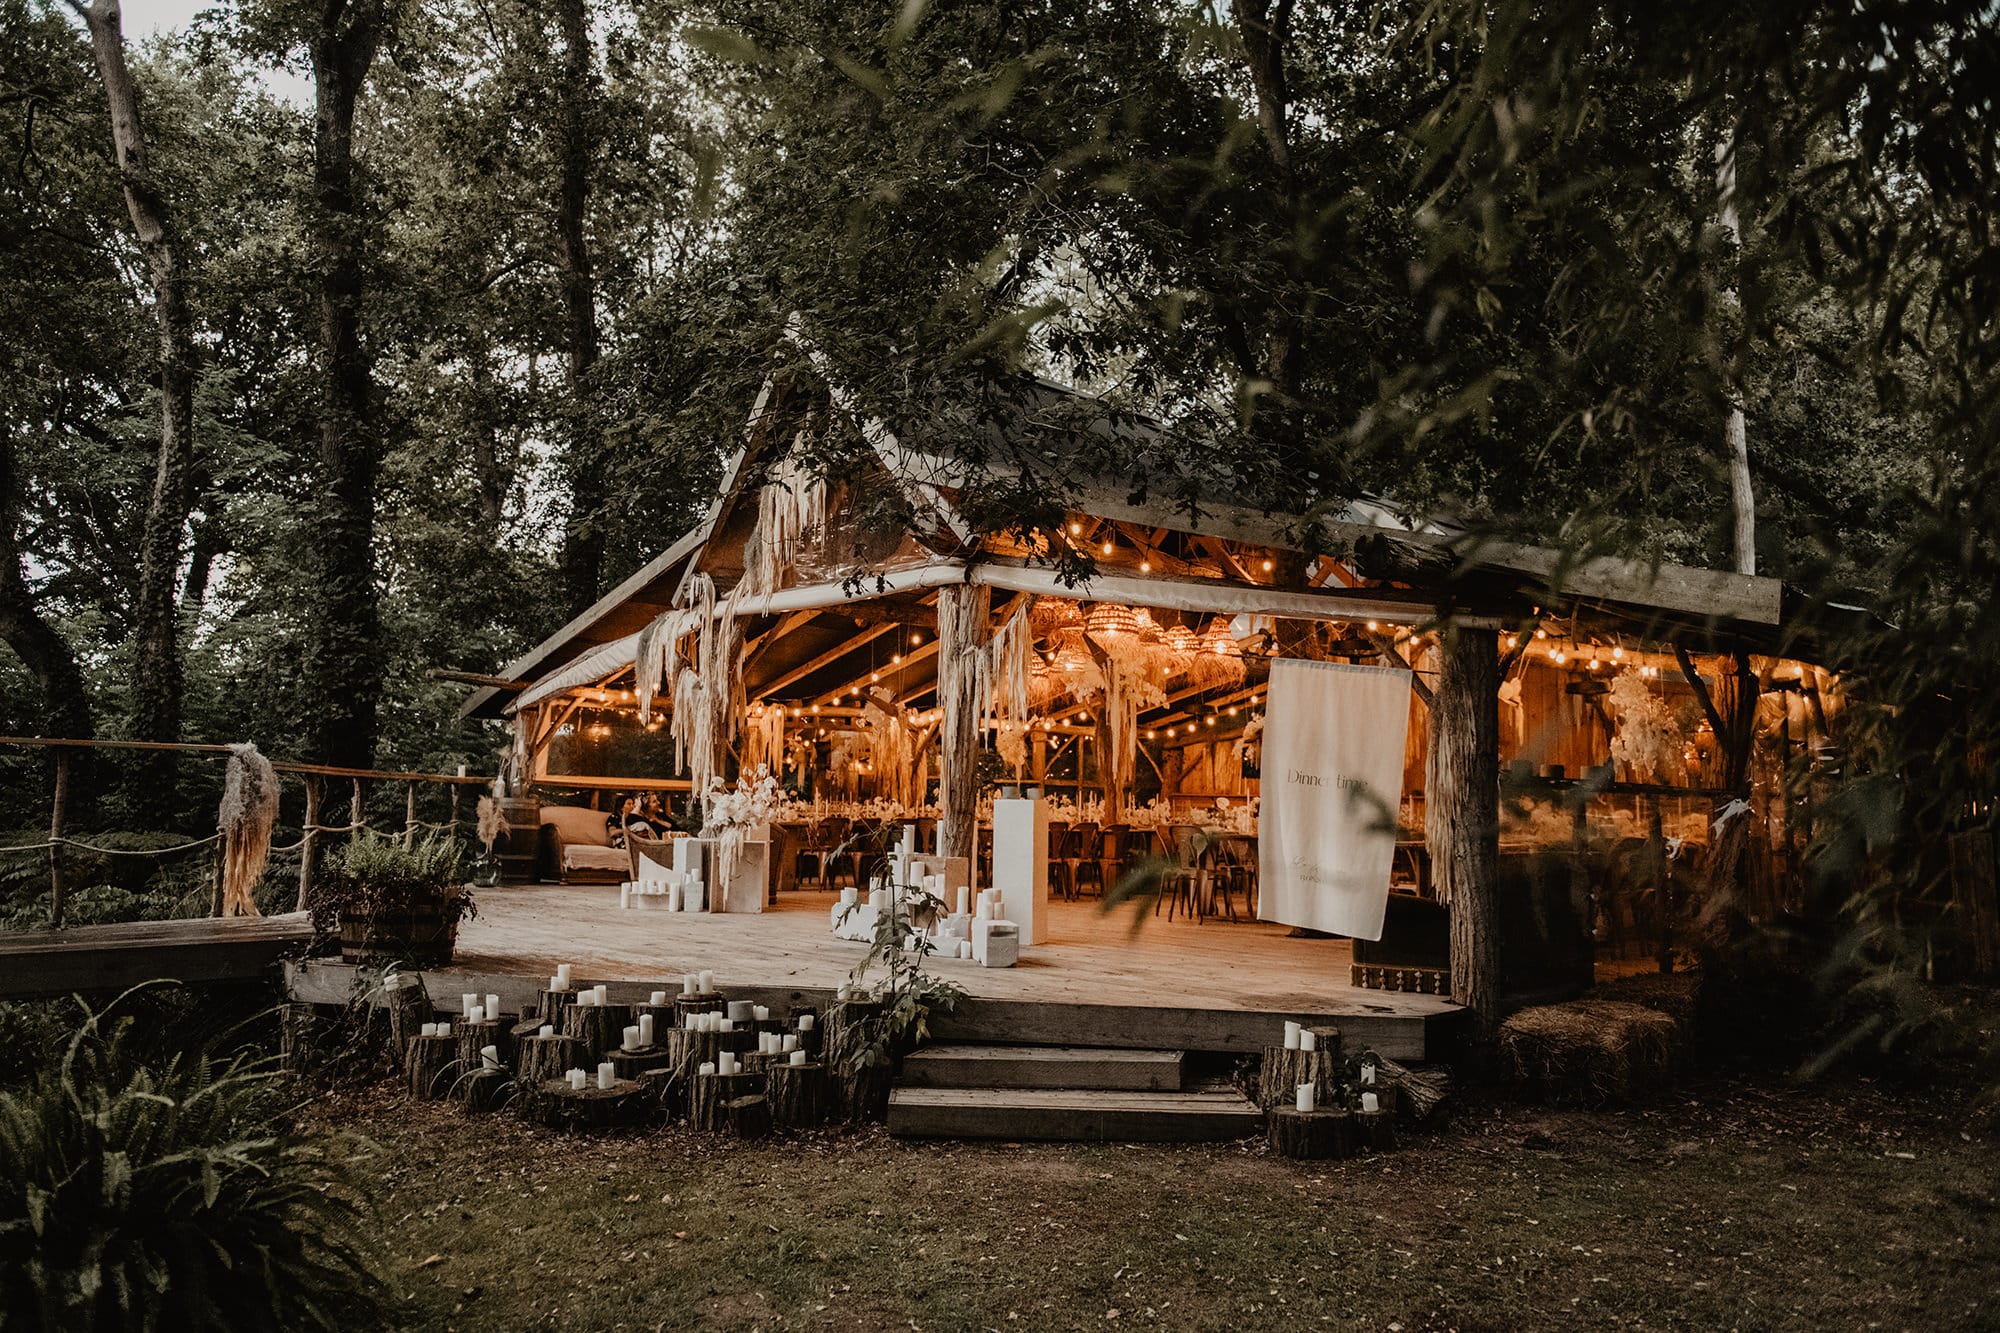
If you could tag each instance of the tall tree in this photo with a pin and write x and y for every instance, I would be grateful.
(344, 657)
(156, 659)
(575, 120)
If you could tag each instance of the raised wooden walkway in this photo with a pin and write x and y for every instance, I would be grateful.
(1216, 986)
(36, 963)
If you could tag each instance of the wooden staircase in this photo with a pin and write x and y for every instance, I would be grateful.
(1062, 1092)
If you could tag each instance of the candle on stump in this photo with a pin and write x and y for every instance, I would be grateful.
(1368, 1075)
(492, 1006)
(707, 979)
(707, 1067)
(603, 994)
(1370, 1102)
(805, 1022)
(725, 1024)
(689, 1022)
(489, 1056)
(645, 1029)
(555, 984)
(547, 1030)
(476, 1014)
(577, 1078)
(1292, 1031)
(798, 1057)
(1307, 1041)
(791, 1042)
(659, 998)
(1306, 1096)
(690, 983)
(607, 1074)
(466, 1002)
(630, 1041)
(761, 1013)
(562, 976)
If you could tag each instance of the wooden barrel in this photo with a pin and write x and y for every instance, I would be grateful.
(419, 936)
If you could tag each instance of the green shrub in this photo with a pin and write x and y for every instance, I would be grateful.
(377, 873)
(169, 1193)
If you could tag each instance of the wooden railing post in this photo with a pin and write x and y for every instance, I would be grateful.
(309, 844)
(356, 815)
(409, 814)
(57, 809)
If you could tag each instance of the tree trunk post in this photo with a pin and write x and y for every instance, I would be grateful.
(309, 843)
(58, 809)
(964, 625)
(1463, 816)
(357, 817)
(409, 814)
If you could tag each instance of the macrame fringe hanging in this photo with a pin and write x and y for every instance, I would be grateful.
(965, 687)
(249, 810)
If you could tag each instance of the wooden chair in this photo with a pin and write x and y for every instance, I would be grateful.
(1060, 879)
(1188, 883)
(1234, 864)
(1086, 858)
(1114, 855)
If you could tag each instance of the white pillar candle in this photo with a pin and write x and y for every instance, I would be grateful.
(723, 1061)
(1367, 1075)
(964, 900)
(555, 984)
(547, 1030)
(624, 896)
(603, 993)
(562, 976)
(489, 1056)
(466, 1002)
(707, 979)
(630, 1041)
(1307, 1041)
(707, 1067)
(577, 1079)
(1292, 1031)
(607, 1074)
(645, 1029)
(429, 1030)
(1370, 1102)
(791, 1042)
(690, 983)
(965, 948)
(492, 1006)
(1307, 1096)
(692, 1022)
(659, 998)
(725, 1024)
(798, 1057)
(762, 1012)
(476, 1014)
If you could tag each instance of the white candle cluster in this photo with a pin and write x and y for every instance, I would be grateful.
(727, 1063)
(435, 1030)
(671, 891)
(707, 979)
(560, 981)
(577, 1080)
(1293, 1035)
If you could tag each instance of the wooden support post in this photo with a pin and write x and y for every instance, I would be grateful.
(1462, 816)
(453, 827)
(357, 815)
(58, 809)
(964, 627)
(309, 844)
(409, 814)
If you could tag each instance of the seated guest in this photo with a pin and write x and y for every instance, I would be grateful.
(632, 818)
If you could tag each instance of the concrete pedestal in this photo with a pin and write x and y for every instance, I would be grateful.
(1021, 865)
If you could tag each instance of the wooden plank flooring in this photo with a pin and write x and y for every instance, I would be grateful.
(114, 956)
(1216, 986)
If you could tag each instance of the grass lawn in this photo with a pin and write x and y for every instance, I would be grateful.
(1745, 1206)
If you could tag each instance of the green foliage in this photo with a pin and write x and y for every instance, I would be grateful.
(908, 994)
(376, 872)
(169, 1193)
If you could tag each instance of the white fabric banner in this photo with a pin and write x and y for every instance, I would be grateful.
(1332, 780)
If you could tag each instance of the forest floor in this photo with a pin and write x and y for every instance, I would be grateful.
(1742, 1205)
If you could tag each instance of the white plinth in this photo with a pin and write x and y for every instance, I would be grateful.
(749, 887)
(1021, 865)
(996, 943)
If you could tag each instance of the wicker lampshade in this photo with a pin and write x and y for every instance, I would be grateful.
(1180, 640)
(1109, 618)
(1050, 614)
(1220, 660)
(1217, 639)
(1149, 629)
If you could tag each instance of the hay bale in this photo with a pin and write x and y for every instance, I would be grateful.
(1672, 993)
(1589, 1051)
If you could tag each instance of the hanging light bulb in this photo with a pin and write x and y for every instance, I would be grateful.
(1076, 529)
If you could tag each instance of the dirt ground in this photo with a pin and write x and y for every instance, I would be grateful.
(1736, 1206)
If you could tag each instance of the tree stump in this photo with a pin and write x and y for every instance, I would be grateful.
(544, 1058)
(707, 1002)
(560, 1106)
(1284, 1069)
(631, 1064)
(850, 1029)
(662, 1084)
(526, 1026)
(549, 1005)
(408, 1007)
(799, 1095)
(1311, 1134)
(666, 1017)
(749, 1117)
(756, 1062)
(485, 1090)
(600, 1027)
(1418, 1093)
(1377, 1130)
(710, 1094)
(430, 1065)
(475, 1037)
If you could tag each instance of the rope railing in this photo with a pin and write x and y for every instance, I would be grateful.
(311, 829)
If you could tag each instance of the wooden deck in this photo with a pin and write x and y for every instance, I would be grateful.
(112, 957)
(1216, 986)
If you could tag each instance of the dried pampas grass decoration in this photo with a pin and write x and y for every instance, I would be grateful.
(490, 822)
(249, 809)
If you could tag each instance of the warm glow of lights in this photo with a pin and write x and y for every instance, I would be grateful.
(1617, 654)
(1107, 548)
(1268, 566)
(1145, 566)
(1208, 721)
(1557, 656)
(1373, 626)
(1170, 733)
(1594, 664)
(915, 638)
(896, 658)
(1152, 735)
(1541, 634)
(1076, 529)
(875, 676)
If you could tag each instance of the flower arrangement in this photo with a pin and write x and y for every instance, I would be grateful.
(1649, 739)
(729, 814)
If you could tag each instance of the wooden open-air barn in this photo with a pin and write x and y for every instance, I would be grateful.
(789, 630)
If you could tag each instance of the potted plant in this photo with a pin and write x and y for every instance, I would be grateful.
(393, 902)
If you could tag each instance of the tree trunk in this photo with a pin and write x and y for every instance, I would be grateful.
(156, 665)
(576, 98)
(45, 653)
(1735, 431)
(344, 657)
(1462, 816)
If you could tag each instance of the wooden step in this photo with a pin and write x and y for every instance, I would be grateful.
(1104, 1068)
(1207, 1114)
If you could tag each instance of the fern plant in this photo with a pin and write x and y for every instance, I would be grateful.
(168, 1193)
